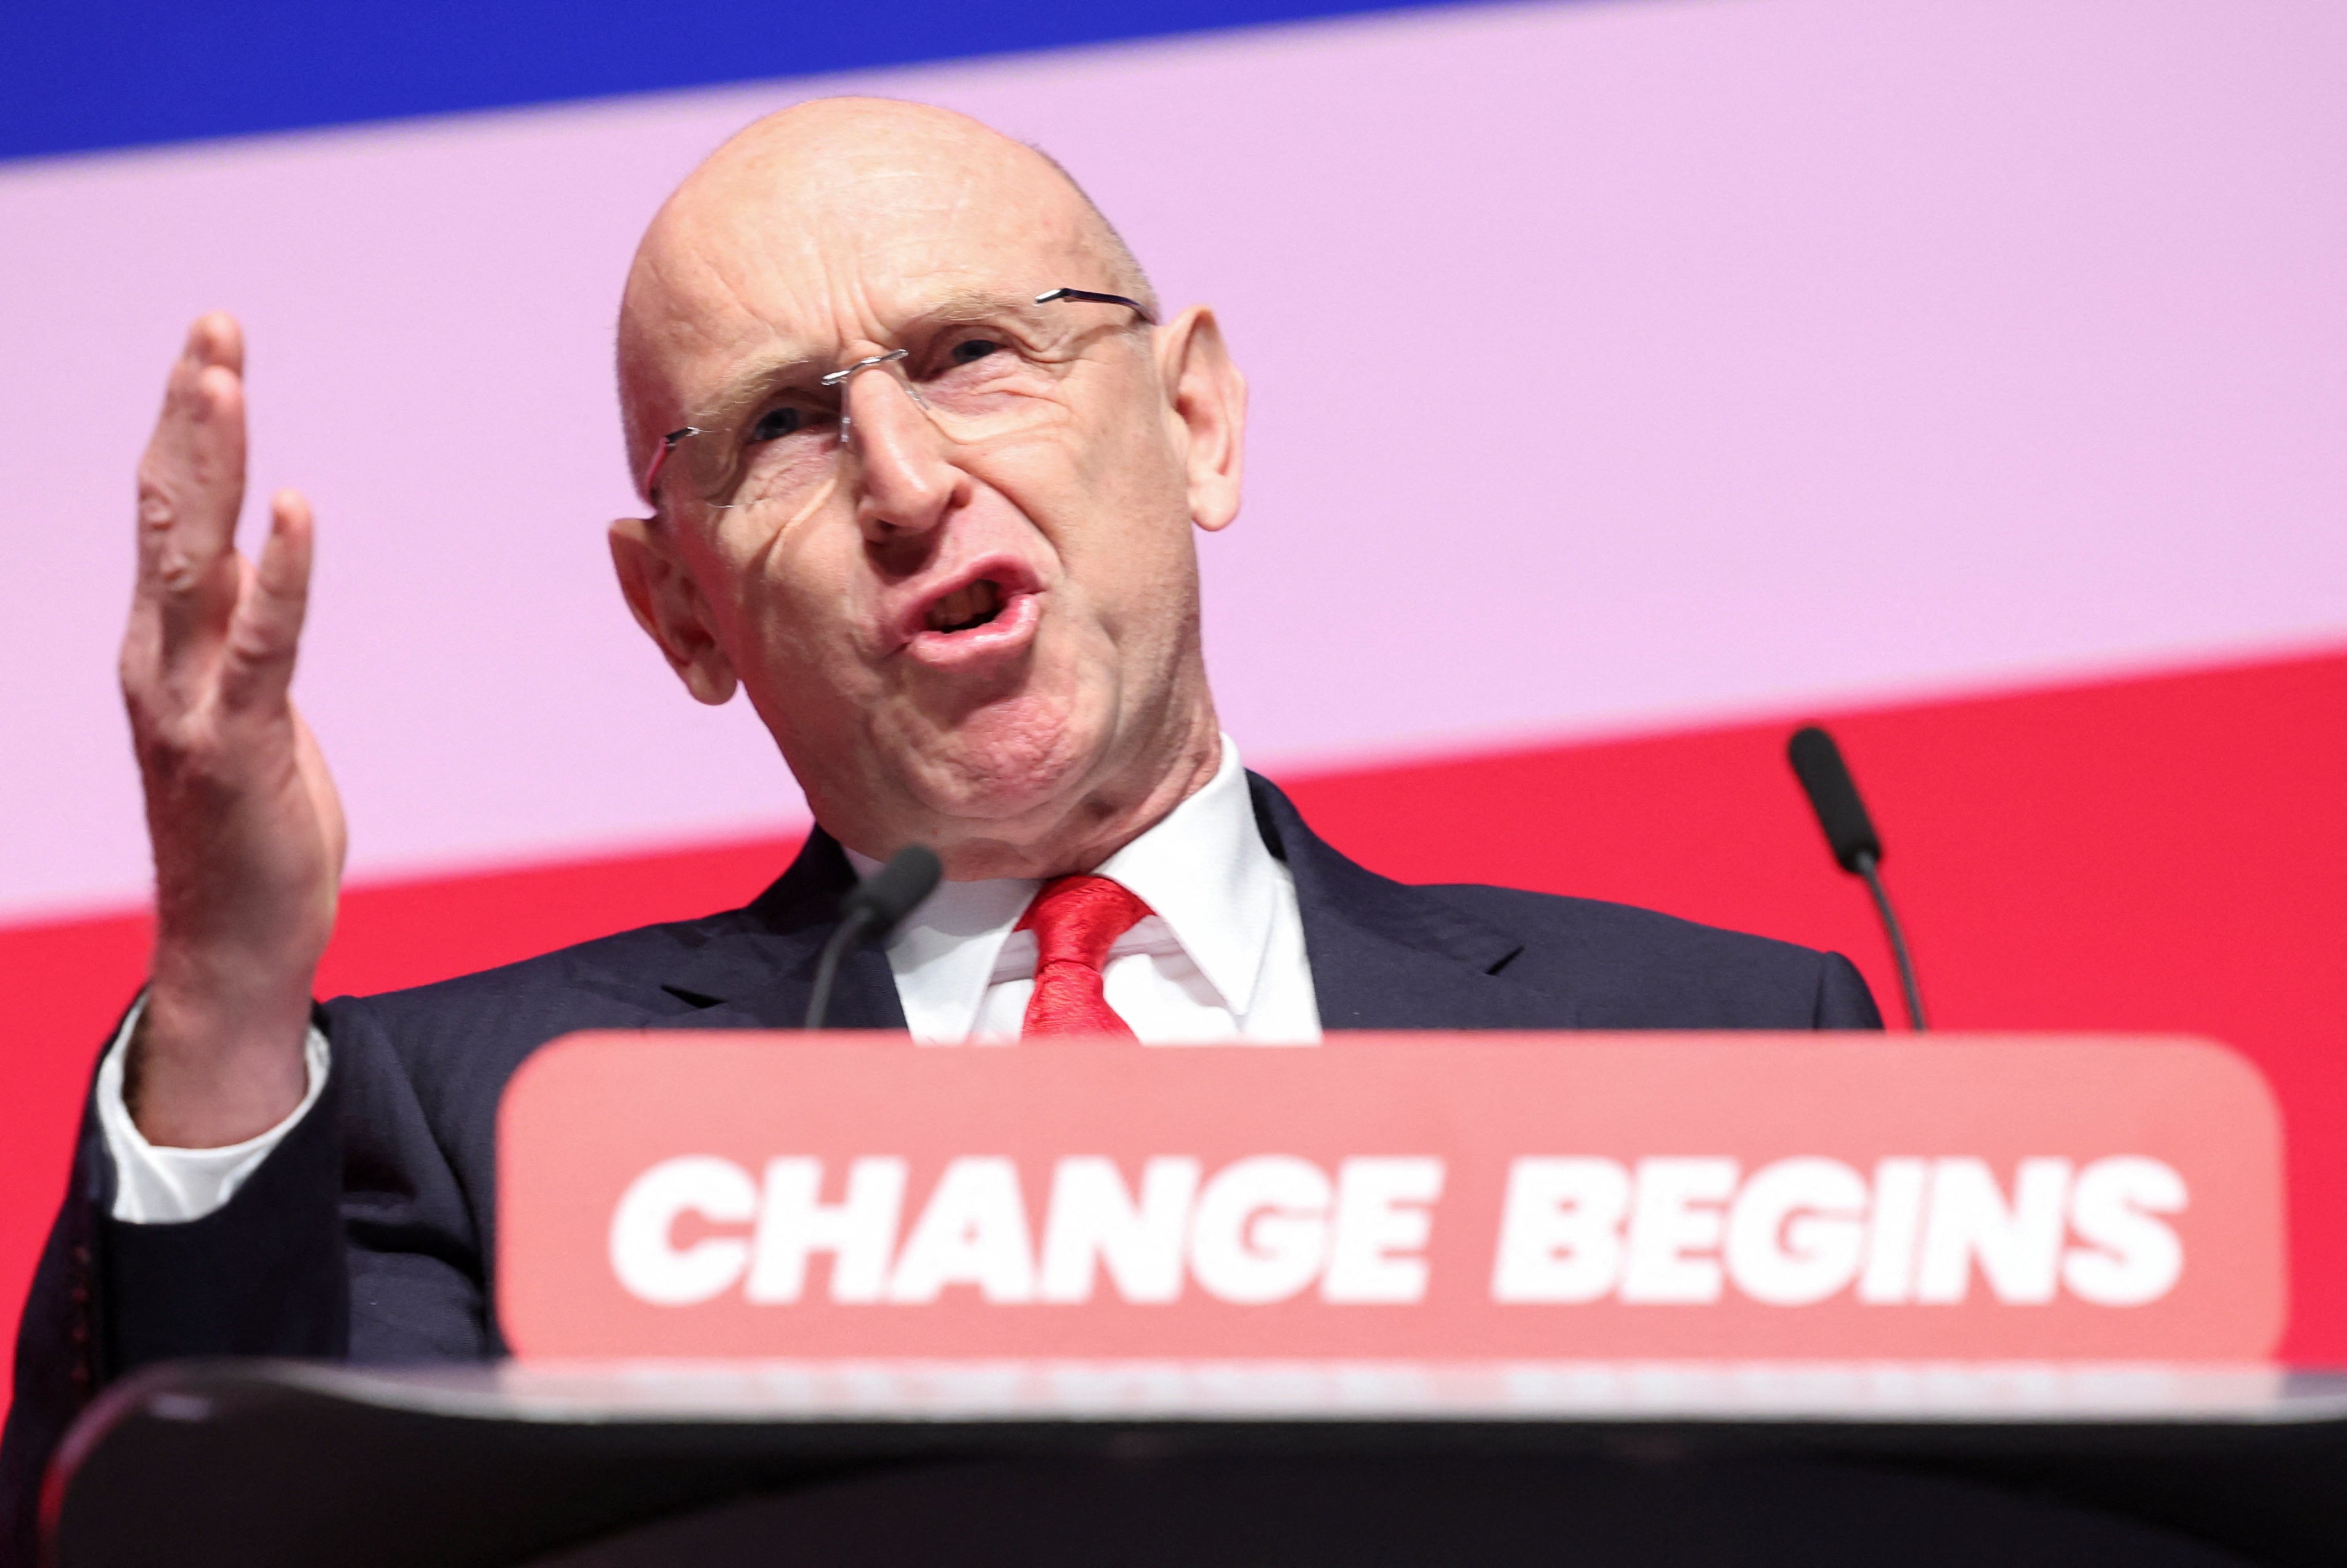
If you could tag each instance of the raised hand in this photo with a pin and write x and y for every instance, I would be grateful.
(247, 829)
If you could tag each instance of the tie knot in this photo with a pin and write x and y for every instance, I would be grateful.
(1077, 919)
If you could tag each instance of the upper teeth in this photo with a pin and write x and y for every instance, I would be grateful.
(972, 603)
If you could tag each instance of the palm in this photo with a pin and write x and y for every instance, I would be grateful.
(247, 827)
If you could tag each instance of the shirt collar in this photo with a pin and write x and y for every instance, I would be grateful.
(1204, 869)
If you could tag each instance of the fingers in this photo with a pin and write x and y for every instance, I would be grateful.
(265, 631)
(191, 485)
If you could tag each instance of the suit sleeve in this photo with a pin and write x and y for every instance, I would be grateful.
(1843, 1000)
(59, 1365)
(261, 1275)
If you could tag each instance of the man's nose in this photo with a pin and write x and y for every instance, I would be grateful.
(907, 486)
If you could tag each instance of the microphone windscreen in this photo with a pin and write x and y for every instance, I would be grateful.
(1816, 763)
(896, 890)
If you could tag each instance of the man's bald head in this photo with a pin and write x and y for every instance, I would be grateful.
(808, 185)
(936, 516)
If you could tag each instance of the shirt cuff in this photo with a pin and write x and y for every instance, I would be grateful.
(170, 1187)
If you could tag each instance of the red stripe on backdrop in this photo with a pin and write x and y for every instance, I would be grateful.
(2164, 854)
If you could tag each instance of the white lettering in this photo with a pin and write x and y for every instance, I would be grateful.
(1381, 1216)
(1572, 1229)
(644, 1253)
(2019, 1248)
(1094, 1222)
(2130, 1257)
(1561, 1230)
(1893, 1232)
(1261, 1231)
(859, 1231)
(1675, 1218)
(1796, 1232)
(973, 1232)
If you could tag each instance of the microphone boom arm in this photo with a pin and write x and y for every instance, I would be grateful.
(1857, 847)
(1869, 868)
(869, 912)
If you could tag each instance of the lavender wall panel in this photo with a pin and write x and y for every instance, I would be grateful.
(1613, 365)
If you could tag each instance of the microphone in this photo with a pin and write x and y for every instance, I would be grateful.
(869, 912)
(1849, 833)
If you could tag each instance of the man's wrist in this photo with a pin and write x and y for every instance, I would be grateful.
(210, 1065)
(161, 1184)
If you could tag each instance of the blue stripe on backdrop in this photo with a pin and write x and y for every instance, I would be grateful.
(83, 76)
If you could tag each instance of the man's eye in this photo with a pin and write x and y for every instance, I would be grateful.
(777, 424)
(977, 348)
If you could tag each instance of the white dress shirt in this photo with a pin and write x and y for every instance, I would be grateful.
(1220, 959)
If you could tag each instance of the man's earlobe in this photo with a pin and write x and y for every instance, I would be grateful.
(668, 605)
(1209, 397)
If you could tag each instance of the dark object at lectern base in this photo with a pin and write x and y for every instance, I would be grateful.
(268, 1464)
(1270, 1511)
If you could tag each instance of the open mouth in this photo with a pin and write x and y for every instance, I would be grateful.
(967, 608)
(984, 620)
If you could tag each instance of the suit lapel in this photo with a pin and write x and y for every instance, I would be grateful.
(755, 970)
(1387, 955)
(1384, 956)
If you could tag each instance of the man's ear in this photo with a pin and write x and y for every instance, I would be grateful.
(668, 606)
(1208, 396)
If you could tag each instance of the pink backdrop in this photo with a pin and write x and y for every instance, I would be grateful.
(1616, 366)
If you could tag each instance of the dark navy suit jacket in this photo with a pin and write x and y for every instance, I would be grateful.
(367, 1233)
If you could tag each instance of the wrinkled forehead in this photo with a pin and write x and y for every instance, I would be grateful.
(809, 256)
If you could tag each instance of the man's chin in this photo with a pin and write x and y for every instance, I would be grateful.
(1004, 767)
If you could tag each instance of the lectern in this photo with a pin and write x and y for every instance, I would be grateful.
(1391, 1300)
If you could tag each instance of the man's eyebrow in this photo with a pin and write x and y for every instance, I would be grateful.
(758, 379)
(745, 387)
(970, 305)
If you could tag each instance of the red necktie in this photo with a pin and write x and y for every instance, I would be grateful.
(1076, 920)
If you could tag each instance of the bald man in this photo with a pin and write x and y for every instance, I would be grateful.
(922, 460)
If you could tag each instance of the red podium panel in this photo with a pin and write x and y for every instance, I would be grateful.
(1452, 1196)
